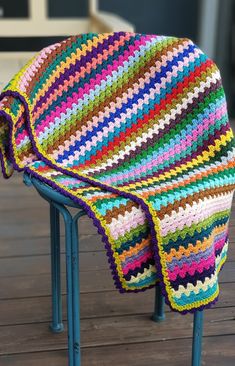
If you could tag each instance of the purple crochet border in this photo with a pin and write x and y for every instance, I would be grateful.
(11, 149)
(3, 166)
(91, 214)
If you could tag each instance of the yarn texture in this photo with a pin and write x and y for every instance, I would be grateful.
(134, 128)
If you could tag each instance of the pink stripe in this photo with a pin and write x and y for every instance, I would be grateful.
(120, 228)
(93, 82)
(69, 181)
(32, 69)
(191, 268)
(136, 263)
(21, 136)
(118, 103)
(220, 243)
(177, 149)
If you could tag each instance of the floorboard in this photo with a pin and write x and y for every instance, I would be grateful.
(116, 329)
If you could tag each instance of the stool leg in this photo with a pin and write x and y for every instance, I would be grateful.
(72, 279)
(56, 325)
(69, 281)
(76, 292)
(197, 338)
(72, 275)
(159, 314)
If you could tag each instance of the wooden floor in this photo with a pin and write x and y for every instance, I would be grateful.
(116, 329)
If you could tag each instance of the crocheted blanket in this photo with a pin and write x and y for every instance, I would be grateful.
(134, 128)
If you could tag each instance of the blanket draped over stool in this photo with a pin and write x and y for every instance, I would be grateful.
(134, 128)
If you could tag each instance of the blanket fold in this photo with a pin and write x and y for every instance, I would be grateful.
(134, 128)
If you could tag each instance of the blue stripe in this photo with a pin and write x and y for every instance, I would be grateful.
(144, 109)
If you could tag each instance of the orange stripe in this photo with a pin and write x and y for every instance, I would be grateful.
(135, 250)
(199, 247)
(194, 178)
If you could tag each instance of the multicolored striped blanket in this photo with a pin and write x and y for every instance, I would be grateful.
(133, 128)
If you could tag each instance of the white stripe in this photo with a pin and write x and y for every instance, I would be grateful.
(128, 95)
(162, 123)
(195, 213)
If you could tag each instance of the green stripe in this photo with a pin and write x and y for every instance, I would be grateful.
(194, 228)
(108, 91)
(209, 101)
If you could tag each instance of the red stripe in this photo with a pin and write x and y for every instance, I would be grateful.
(158, 107)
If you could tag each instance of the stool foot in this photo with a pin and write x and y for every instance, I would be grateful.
(159, 314)
(197, 338)
(157, 319)
(59, 328)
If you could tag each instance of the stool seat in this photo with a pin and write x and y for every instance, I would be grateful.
(49, 192)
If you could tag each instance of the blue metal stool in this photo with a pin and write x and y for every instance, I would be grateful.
(57, 206)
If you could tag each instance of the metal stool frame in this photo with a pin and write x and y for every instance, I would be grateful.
(58, 204)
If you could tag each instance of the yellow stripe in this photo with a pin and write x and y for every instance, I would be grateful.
(192, 248)
(70, 60)
(193, 163)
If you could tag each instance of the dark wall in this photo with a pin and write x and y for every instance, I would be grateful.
(67, 8)
(225, 51)
(177, 17)
(15, 8)
(168, 17)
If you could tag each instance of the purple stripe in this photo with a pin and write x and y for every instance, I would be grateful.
(192, 258)
(73, 68)
(177, 163)
(197, 276)
(172, 123)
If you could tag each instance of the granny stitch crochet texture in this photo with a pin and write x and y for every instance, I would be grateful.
(134, 128)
